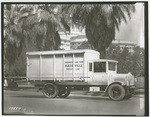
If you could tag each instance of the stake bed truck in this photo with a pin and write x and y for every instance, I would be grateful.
(57, 72)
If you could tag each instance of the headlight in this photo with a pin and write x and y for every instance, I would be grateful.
(135, 79)
(127, 82)
(131, 79)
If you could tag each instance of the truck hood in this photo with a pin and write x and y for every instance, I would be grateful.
(123, 78)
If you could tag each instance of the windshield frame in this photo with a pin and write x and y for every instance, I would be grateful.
(103, 63)
(115, 66)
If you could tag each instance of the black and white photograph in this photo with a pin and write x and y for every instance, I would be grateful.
(74, 58)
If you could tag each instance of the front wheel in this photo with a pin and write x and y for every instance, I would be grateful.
(116, 92)
(50, 90)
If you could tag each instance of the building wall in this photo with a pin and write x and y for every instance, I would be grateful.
(65, 45)
(77, 36)
(66, 38)
(65, 41)
(123, 44)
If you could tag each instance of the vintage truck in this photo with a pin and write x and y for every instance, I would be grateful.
(57, 72)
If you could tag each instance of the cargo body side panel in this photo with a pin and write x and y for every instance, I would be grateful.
(47, 67)
(73, 66)
(33, 67)
(68, 66)
(78, 65)
(59, 66)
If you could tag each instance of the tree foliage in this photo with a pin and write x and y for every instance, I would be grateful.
(99, 21)
(128, 61)
(34, 27)
(85, 45)
(29, 28)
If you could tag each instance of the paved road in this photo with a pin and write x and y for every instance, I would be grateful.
(32, 102)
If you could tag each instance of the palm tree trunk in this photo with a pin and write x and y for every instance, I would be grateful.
(102, 53)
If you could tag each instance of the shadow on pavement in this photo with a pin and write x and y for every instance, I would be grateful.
(88, 98)
(67, 98)
(29, 96)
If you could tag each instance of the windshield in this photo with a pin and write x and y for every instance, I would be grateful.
(111, 66)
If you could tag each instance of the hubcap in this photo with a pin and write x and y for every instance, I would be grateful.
(49, 90)
(116, 92)
(63, 91)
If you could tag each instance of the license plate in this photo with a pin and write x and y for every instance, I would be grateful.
(94, 88)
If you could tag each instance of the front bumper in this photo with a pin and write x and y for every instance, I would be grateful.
(130, 89)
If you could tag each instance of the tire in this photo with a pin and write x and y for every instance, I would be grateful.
(50, 90)
(64, 92)
(116, 92)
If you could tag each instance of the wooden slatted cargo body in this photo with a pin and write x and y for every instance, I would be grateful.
(59, 65)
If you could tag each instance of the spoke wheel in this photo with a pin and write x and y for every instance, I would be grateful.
(116, 92)
(64, 92)
(50, 90)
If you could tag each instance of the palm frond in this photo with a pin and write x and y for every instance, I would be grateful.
(116, 23)
(121, 13)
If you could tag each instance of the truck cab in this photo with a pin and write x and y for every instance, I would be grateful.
(103, 73)
(100, 70)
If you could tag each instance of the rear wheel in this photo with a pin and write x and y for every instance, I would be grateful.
(116, 92)
(50, 90)
(64, 92)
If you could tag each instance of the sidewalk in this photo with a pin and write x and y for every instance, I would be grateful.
(139, 91)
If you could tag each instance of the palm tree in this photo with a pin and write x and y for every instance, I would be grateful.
(30, 28)
(41, 26)
(99, 20)
(12, 36)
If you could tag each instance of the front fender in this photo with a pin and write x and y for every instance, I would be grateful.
(118, 78)
(118, 82)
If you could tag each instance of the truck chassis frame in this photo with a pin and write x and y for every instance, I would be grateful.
(62, 88)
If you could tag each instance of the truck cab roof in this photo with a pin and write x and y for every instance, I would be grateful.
(104, 60)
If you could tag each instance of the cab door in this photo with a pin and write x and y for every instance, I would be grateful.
(90, 71)
(100, 75)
